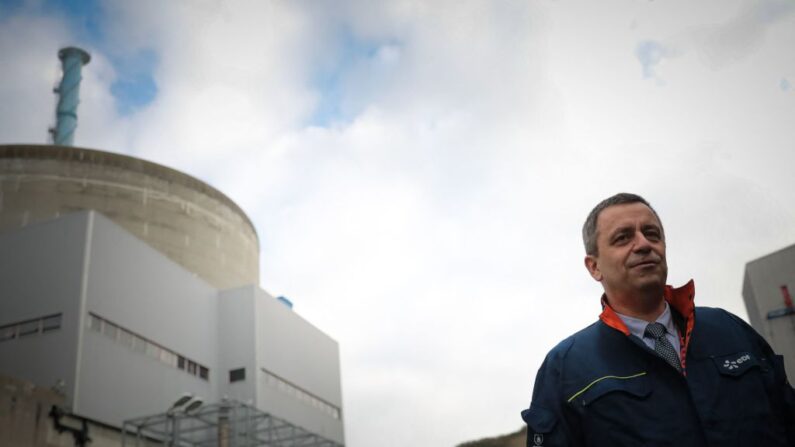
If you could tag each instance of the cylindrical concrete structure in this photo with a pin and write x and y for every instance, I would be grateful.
(187, 220)
(72, 61)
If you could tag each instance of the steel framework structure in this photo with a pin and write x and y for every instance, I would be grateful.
(226, 424)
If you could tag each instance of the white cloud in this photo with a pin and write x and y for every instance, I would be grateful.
(731, 41)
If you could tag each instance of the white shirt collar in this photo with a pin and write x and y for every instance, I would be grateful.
(637, 327)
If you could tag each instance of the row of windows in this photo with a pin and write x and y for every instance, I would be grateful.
(30, 327)
(148, 347)
(302, 395)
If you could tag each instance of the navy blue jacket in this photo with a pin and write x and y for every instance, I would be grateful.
(605, 387)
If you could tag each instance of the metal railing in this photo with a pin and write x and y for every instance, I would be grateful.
(228, 423)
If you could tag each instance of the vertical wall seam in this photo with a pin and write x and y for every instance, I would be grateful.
(81, 316)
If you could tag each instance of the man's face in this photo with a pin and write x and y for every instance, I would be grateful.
(631, 250)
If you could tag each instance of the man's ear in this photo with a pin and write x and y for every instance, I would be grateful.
(592, 264)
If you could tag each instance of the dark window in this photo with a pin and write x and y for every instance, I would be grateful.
(51, 323)
(8, 332)
(181, 362)
(204, 373)
(192, 367)
(29, 328)
(237, 375)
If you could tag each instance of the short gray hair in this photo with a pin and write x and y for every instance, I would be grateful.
(589, 228)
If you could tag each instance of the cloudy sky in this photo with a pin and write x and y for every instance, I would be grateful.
(418, 171)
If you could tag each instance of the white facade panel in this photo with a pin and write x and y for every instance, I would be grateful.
(117, 383)
(168, 310)
(40, 275)
(291, 347)
(237, 338)
(137, 331)
(301, 380)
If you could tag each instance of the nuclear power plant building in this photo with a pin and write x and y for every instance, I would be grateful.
(767, 290)
(126, 285)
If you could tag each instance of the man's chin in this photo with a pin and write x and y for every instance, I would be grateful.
(657, 273)
(650, 283)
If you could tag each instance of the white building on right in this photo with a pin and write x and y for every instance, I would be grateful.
(768, 288)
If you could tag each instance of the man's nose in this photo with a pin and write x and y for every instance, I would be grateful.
(641, 243)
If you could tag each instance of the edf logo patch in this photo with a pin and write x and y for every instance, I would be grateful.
(735, 364)
(538, 439)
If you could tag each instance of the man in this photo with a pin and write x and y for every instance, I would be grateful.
(655, 370)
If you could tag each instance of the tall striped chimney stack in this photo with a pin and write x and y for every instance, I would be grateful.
(72, 61)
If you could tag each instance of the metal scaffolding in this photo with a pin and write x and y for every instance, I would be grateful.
(225, 424)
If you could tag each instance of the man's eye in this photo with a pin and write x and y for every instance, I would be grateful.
(653, 235)
(620, 238)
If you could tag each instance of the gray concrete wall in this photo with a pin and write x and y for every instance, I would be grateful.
(41, 274)
(23, 415)
(24, 421)
(762, 293)
(190, 222)
(134, 286)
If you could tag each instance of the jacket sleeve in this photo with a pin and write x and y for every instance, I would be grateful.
(783, 395)
(549, 420)
(787, 396)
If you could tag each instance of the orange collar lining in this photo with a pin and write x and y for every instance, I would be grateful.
(681, 299)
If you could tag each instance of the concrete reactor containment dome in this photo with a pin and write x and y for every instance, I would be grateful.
(189, 221)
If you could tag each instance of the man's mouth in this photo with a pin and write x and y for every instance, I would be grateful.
(643, 264)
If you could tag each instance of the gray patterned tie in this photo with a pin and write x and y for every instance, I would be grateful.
(662, 346)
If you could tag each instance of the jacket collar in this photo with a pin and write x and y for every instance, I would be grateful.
(683, 312)
(680, 299)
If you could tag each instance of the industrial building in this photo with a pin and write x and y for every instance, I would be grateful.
(132, 290)
(767, 290)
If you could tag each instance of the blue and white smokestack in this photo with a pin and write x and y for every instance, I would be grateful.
(72, 61)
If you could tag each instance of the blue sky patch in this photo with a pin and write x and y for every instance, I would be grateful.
(10, 7)
(649, 53)
(329, 80)
(135, 86)
(85, 17)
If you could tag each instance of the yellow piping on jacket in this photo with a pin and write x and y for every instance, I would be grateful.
(603, 378)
